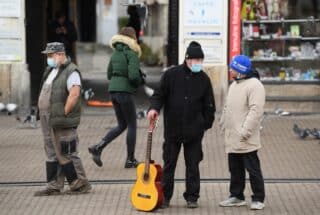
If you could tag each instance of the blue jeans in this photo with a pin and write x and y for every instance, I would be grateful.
(125, 110)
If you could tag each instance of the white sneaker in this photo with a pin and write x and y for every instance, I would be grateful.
(232, 202)
(257, 205)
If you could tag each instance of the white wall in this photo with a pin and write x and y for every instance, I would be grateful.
(107, 21)
(122, 10)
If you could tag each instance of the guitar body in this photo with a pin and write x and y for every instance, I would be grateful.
(147, 194)
(158, 183)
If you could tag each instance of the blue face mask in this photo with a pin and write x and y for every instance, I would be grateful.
(196, 68)
(51, 62)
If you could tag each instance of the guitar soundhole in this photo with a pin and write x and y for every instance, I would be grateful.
(146, 177)
(144, 196)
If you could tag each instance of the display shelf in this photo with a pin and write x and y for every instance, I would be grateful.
(268, 21)
(284, 46)
(281, 59)
(290, 82)
(252, 39)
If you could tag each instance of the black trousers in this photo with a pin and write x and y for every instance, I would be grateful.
(125, 110)
(192, 156)
(238, 163)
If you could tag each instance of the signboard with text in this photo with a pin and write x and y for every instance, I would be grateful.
(203, 12)
(10, 8)
(205, 22)
(12, 31)
(11, 50)
(235, 28)
(10, 28)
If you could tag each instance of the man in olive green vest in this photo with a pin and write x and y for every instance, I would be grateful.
(59, 110)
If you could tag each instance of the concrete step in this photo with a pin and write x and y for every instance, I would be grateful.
(308, 89)
(293, 104)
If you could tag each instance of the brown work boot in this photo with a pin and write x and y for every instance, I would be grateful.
(81, 190)
(47, 192)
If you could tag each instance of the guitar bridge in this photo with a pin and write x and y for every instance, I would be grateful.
(144, 196)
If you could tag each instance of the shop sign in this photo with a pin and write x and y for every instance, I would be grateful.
(235, 28)
(11, 50)
(9, 28)
(10, 8)
(204, 21)
(203, 12)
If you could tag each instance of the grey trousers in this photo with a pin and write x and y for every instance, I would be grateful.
(53, 148)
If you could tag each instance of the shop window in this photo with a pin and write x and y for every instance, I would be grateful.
(282, 37)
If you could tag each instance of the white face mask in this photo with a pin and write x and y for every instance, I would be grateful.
(51, 62)
(197, 67)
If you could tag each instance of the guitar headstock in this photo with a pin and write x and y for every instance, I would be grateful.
(153, 124)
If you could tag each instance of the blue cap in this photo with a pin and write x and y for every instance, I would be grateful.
(241, 64)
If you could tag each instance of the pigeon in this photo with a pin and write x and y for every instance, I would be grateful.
(88, 94)
(302, 133)
(316, 133)
(2, 107)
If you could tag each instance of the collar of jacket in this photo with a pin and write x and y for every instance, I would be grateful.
(133, 45)
(252, 74)
(65, 64)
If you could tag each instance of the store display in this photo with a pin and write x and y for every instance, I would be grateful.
(294, 30)
(280, 48)
(275, 13)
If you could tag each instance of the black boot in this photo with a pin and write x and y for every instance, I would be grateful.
(77, 186)
(52, 170)
(95, 151)
(70, 172)
(131, 163)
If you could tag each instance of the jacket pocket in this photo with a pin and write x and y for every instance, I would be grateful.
(238, 143)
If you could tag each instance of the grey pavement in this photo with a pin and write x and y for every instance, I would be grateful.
(290, 166)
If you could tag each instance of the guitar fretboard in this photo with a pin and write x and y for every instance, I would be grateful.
(148, 154)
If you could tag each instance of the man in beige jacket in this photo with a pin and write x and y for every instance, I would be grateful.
(240, 122)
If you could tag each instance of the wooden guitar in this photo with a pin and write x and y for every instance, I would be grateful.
(147, 192)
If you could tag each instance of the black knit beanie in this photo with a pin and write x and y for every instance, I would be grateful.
(194, 50)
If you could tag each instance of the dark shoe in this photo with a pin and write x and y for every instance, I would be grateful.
(165, 204)
(47, 192)
(96, 155)
(192, 204)
(81, 190)
(131, 163)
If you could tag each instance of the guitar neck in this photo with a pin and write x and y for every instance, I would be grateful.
(148, 153)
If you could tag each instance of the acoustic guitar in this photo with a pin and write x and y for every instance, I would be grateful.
(147, 193)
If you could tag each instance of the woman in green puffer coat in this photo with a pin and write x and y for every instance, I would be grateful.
(124, 79)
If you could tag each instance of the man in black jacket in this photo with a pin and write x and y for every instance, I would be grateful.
(186, 94)
(63, 31)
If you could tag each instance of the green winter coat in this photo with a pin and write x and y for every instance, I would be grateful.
(123, 69)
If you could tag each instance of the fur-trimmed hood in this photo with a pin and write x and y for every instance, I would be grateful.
(126, 40)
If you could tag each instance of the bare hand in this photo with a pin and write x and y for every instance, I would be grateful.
(152, 115)
(64, 30)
